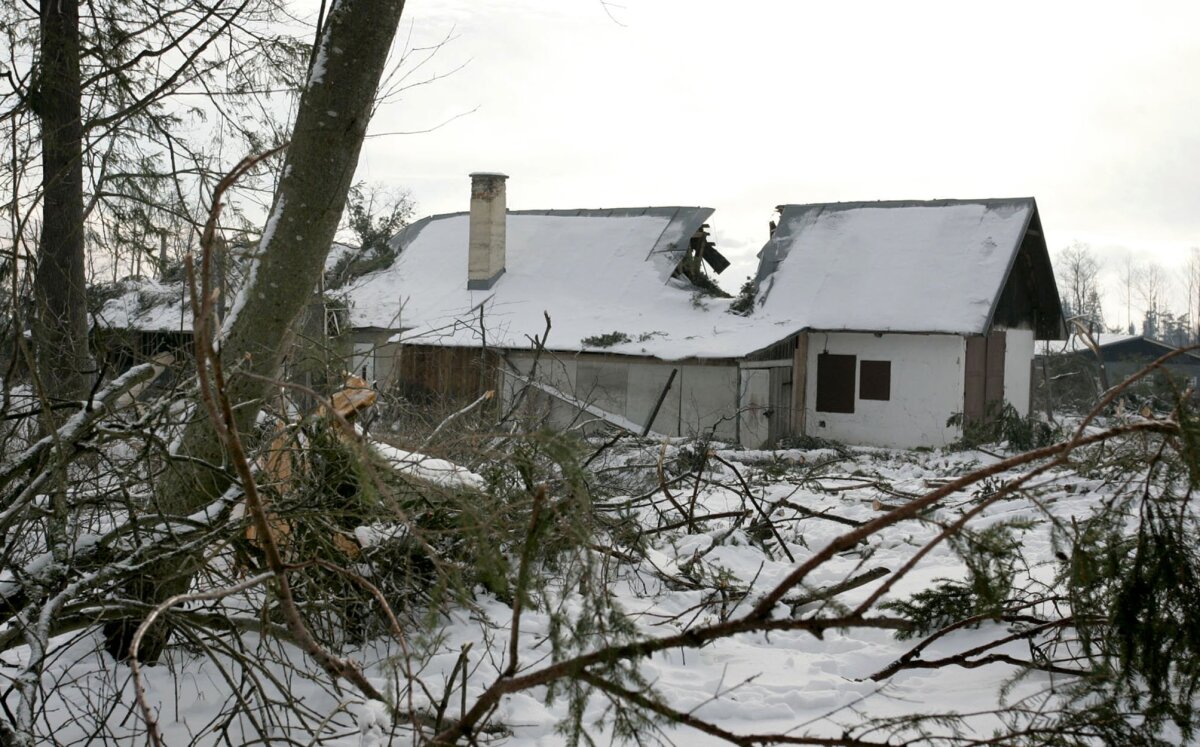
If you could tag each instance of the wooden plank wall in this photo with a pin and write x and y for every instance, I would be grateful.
(799, 384)
(455, 373)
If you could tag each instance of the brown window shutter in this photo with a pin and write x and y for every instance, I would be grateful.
(875, 380)
(835, 382)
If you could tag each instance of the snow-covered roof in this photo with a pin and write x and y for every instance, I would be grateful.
(886, 266)
(1076, 344)
(594, 272)
(148, 305)
(151, 305)
(893, 266)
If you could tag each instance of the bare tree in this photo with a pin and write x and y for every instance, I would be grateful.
(1078, 272)
(1193, 294)
(88, 86)
(1128, 278)
(1151, 284)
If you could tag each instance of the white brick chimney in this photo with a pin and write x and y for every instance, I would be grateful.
(485, 262)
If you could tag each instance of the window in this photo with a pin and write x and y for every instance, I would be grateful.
(875, 380)
(835, 382)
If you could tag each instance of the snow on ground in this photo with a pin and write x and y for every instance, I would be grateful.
(748, 682)
(431, 469)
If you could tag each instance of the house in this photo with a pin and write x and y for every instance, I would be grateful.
(904, 314)
(613, 298)
(148, 319)
(874, 323)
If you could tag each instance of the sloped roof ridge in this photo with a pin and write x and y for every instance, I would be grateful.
(1075, 344)
(684, 219)
(909, 203)
(615, 212)
(410, 231)
(1155, 341)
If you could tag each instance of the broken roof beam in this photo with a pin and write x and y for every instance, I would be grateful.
(704, 248)
(715, 259)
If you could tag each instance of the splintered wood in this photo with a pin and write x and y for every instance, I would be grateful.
(278, 466)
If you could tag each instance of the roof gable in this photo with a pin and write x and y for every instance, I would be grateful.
(905, 266)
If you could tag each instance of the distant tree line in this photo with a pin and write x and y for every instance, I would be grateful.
(1147, 286)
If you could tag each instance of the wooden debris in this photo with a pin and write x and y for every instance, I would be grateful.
(279, 469)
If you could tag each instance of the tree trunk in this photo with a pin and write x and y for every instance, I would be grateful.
(331, 123)
(60, 331)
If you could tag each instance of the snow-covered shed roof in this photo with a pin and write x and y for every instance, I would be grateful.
(910, 266)
(594, 272)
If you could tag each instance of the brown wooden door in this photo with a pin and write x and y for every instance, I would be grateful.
(984, 375)
(993, 385)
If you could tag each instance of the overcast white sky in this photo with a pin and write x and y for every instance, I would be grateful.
(1091, 107)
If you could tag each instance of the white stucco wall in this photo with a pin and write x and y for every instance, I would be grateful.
(708, 399)
(538, 407)
(1018, 368)
(926, 389)
(370, 350)
(702, 399)
(649, 379)
(362, 360)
